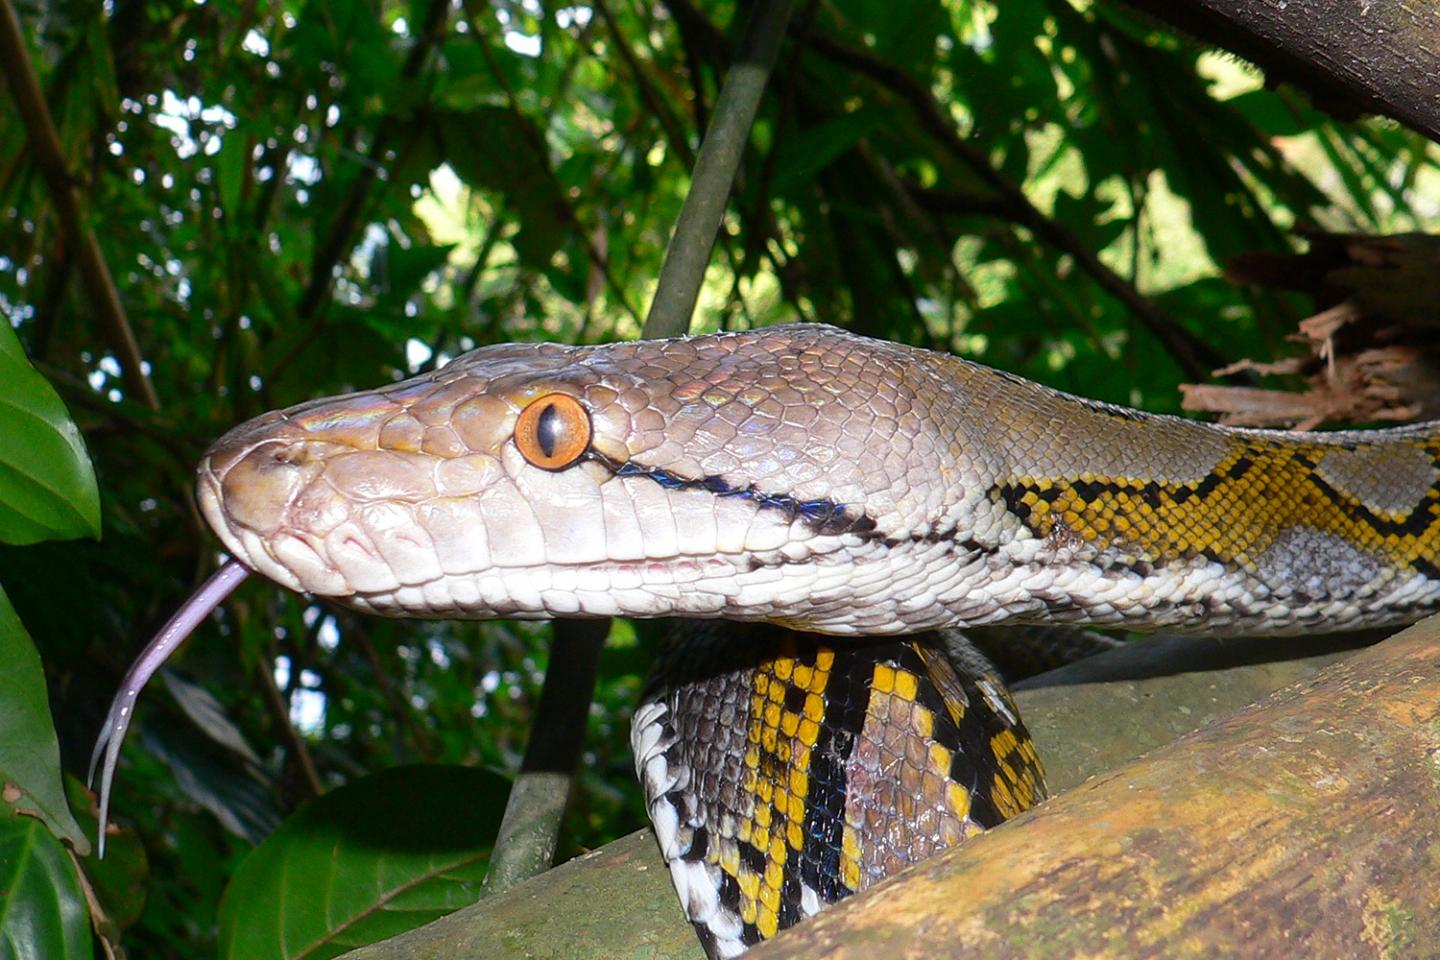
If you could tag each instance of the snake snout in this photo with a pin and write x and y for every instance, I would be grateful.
(257, 489)
(262, 489)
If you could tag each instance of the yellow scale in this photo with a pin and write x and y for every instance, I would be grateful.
(788, 724)
(1233, 515)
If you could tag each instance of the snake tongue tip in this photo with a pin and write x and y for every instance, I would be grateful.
(106, 755)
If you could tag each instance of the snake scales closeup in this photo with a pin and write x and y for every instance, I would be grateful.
(823, 482)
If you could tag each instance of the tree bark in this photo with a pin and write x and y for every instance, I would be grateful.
(1352, 56)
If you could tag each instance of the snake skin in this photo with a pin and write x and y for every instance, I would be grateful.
(784, 772)
(824, 482)
(805, 476)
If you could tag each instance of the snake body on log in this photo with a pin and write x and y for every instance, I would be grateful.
(817, 480)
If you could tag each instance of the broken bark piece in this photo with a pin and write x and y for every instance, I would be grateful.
(1371, 352)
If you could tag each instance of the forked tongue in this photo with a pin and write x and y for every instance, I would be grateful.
(191, 614)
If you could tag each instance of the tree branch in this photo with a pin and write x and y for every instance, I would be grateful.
(720, 152)
(279, 708)
(651, 98)
(1195, 357)
(44, 143)
(1351, 57)
(340, 237)
(542, 157)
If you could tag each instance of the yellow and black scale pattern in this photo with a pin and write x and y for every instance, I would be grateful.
(789, 771)
(1261, 489)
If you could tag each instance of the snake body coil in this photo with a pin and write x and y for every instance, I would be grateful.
(820, 481)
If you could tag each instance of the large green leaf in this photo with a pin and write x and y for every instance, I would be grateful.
(29, 753)
(363, 863)
(47, 486)
(42, 909)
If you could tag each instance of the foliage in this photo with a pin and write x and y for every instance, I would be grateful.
(298, 199)
(366, 861)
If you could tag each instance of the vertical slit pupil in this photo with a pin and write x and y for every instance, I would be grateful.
(548, 429)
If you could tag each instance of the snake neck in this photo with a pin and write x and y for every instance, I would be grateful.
(1095, 513)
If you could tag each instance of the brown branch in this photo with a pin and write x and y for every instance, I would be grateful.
(679, 145)
(958, 202)
(1194, 355)
(24, 83)
(416, 733)
(1350, 57)
(280, 713)
(342, 228)
(651, 98)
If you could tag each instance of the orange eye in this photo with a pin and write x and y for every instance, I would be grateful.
(553, 431)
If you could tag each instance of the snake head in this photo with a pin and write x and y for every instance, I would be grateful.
(733, 475)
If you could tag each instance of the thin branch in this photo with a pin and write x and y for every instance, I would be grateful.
(339, 239)
(530, 829)
(542, 157)
(280, 713)
(677, 140)
(651, 98)
(1195, 356)
(44, 142)
(957, 202)
(720, 152)
(416, 733)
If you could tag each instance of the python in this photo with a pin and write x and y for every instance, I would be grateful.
(839, 490)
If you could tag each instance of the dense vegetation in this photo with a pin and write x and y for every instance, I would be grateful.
(299, 199)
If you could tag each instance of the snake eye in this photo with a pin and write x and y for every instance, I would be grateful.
(553, 431)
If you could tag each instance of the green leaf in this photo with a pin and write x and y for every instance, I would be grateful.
(409, 266)
(29, 753)
(120, 881)
(365, 862)
(42, 911)
(1091, 218)
(47, 486)
(230, 166)
(801, 157)
(1274, 114)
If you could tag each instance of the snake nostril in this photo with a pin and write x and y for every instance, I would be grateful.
(289, 454)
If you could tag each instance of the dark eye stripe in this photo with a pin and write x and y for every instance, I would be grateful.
(547, 430)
